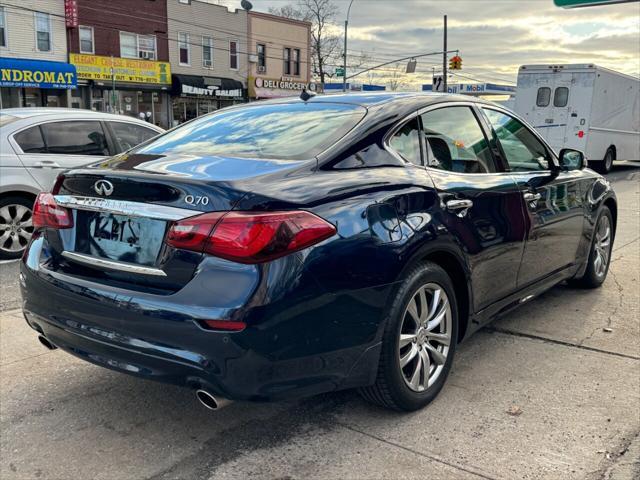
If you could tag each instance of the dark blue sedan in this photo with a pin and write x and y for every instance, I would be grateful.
(300, 246)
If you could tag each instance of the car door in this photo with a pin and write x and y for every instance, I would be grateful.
(49, 148)
(127, 135)
(551, 199)
(480, 204)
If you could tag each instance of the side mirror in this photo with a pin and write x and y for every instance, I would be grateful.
(571, 159)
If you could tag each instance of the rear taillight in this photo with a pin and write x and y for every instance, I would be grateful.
(47, 213)
(247, 237)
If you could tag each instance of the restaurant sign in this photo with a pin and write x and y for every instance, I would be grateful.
(284, 87)
(23, 73)
(96, 67)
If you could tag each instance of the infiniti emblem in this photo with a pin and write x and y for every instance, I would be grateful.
(103, 187)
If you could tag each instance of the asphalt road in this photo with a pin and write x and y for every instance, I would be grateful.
(545, 392)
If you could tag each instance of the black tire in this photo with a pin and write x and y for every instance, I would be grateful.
(390, 389)
(604, 166)
(8, 206)
(591, 279)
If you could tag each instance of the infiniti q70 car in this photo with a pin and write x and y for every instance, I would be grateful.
(292, 247)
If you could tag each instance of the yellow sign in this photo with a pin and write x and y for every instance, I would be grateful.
(96, 67)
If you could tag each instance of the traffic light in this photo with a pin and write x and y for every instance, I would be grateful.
(455, 63)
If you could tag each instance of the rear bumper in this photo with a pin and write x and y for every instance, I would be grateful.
(296, 344)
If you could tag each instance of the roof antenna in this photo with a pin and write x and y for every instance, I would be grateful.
(306, 95)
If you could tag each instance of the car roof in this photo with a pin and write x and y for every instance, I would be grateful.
(39, 112)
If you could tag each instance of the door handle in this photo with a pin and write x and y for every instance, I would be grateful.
(531, 197)
(46, 164)
(459, 205)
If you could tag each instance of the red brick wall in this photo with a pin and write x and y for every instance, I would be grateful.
(109, 17)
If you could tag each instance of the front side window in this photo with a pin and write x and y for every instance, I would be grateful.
(86, 40)
(523, 151)
(207, 52)
(406, 141)
(296, 61)
(544, 97)
(290, 131)
(455, 142)
(43, 32)
(262, 56)
(183, 48)
(128, 45)
(128, 135)
(30, 140)
(233, 55)
(287, 61)
(561, 97)
(75, 138)
(3, 28)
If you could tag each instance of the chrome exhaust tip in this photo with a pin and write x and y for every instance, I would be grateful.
(43, 340)
(211, 402)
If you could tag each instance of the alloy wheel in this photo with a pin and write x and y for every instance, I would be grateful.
(425, 337)
(602, 246)
(16, 228)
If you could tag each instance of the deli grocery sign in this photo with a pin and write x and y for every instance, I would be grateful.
(283, 87)
(23, 73)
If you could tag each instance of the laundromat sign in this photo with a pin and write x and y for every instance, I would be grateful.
(284, 87)
(24, 73)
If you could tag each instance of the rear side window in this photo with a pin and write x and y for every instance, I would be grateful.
(406, 142)
(544, 97)
(561, 97)
(30, 140)
(75, 138)
(289, 131)
(455, 141)
(128, 135)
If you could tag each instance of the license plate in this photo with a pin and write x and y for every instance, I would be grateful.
(118, 237)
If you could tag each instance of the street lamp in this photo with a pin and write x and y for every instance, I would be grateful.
(344, 71)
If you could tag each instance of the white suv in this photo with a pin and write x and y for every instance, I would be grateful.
(36, 144)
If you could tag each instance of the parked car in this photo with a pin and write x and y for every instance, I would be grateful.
(293, 247)
(36, 144)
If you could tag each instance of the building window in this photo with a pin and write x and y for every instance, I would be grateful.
(296, 62)
(262, 57)
(43, 32)
(287, 61)
(128, 45)
(183, 48)
(207, 52)
(147, 47)
(3, 29)
(233, 55)
(137, 46)
(86, 40)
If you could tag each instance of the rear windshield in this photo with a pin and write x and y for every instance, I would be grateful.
(294, 131)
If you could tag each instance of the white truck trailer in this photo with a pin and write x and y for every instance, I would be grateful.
(585, 107)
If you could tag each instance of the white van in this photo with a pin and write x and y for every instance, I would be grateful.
(585, 107)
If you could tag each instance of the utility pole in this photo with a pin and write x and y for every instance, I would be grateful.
(444, 57)
(344, 64)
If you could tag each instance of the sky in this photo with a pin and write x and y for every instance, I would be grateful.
(494, 37)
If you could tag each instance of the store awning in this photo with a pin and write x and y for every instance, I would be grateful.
(26, 73)
(219, 87)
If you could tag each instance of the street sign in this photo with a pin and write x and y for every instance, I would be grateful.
(339, 72)
(411, 66)
(438, 83)
(587, 3)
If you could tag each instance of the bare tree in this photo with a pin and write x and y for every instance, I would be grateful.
(321, 14)
(396, 80)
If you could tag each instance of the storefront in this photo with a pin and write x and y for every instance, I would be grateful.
(35, 83)
(138, 88)
(193, 95)
(260, 87)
